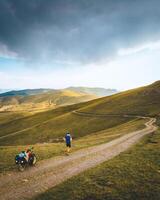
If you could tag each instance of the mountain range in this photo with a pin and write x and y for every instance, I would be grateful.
(41, 99)
(84, 118)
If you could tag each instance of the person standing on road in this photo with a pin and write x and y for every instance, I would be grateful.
(68, 140)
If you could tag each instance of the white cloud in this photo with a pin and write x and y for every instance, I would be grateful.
(125, 72)
(148, 46)
(66, 62)
(6, 53)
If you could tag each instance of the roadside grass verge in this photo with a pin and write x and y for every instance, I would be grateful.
(48, 150)
(134, 174)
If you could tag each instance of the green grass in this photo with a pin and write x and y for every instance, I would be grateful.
(141, 101)
(28, 121)
(6, 117)
(134, 174)
(21, 101)
(54, 130)
(48, 150)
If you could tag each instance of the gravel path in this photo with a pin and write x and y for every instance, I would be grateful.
(51, 172)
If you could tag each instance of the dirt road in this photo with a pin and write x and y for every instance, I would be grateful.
(51, 172)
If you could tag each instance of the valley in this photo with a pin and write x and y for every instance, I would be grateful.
(120, 119)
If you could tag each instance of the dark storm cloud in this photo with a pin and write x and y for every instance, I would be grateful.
(76, 30)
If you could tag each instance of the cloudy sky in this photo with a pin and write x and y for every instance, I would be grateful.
(59, 43)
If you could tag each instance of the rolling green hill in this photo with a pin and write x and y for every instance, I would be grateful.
(134, 174)
(39, 100)
(140, 101)
(34, 100)
(48, 150)
(94, 91)
(50, 126)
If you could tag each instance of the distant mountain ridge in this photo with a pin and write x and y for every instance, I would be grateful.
(101, 92)
(4, 90)
(143, 101)
(44, 98)
(40, 99)
(25, 92)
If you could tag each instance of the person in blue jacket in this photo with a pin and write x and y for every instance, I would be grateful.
(68, 140)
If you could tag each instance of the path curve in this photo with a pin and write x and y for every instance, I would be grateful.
(51, 172)
(89, 114)
(74, 112)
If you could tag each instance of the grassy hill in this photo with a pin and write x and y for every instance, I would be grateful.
(30, 100)
(134, 174)
(43, 99)
(6, 117)
(39, 100)
(50, 126)
(140, 101)
(94, 91)
(48, 150)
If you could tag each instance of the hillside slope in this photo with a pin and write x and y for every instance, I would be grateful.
(140, 101)
(55, 170)
(94, 91)
(134, 174)
(51, 125)
(43, 99)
